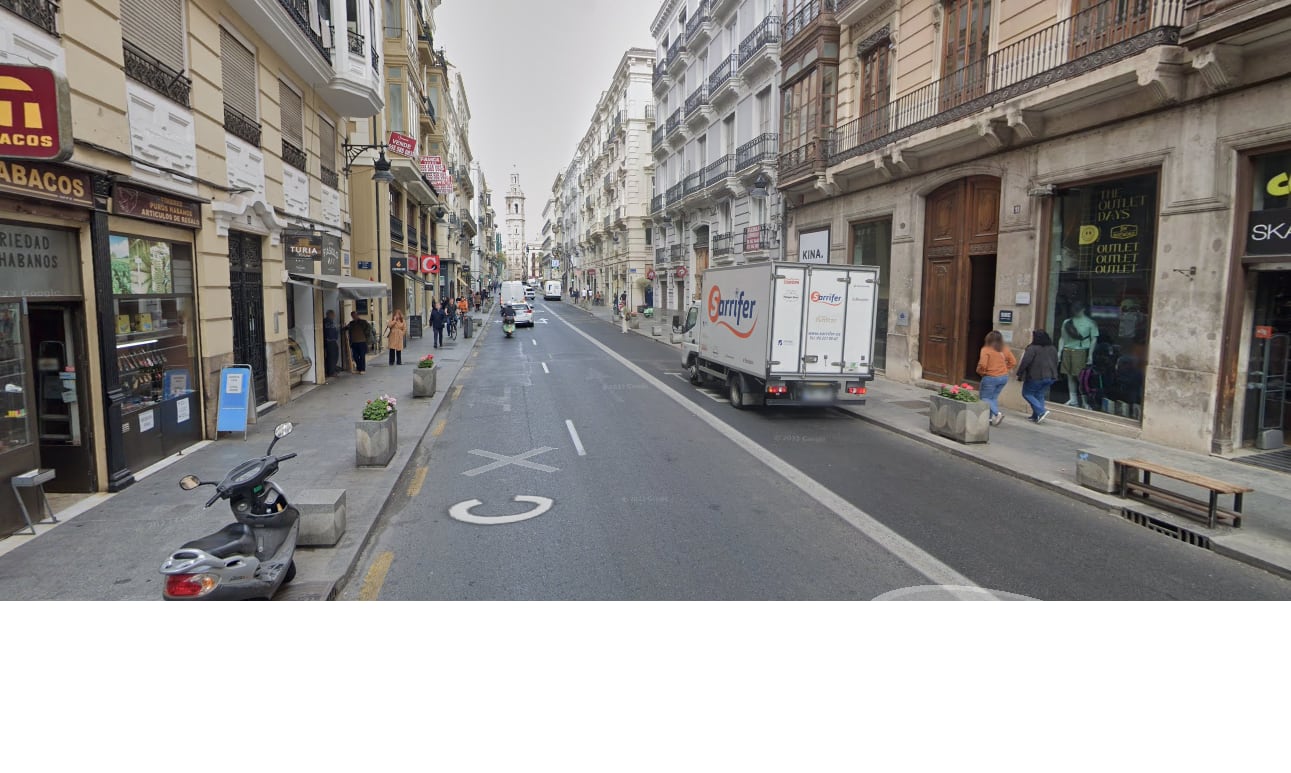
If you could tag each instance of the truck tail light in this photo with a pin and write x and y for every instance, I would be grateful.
(777, 389)
(853, 389)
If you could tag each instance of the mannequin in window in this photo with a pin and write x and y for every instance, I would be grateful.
(1078, 335)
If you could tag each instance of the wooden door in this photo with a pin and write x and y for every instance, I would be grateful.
(1100, 24)
(966, 35)
(962, 221)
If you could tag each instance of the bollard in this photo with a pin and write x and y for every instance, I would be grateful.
(466, 326)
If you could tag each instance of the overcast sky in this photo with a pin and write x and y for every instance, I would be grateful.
(534, 70)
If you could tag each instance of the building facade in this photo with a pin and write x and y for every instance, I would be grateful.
(715, 146)
(600, 204)
(201, 220)
(1111, 173)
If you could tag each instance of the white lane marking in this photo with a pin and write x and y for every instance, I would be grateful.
(503, 461)
(462, 512)
(544, 368)
(903, 549)
(535, 341)
(542, 321)
(573, 434)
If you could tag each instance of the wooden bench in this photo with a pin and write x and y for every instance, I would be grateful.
(1208, 511)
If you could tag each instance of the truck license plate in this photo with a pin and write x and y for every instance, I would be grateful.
(818, 395)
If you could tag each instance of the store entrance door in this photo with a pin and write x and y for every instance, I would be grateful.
(1267, 419)
(246, 286)
(59, 370)
(981, 311)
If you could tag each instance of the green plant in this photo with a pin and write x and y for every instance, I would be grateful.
(426, 362)
(379, 409)
(964, 393)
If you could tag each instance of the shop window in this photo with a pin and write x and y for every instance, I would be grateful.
(14, 427)
(1102, 242)
(872, 246)
(1272, 182)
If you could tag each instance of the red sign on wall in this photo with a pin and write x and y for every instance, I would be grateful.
(430, 264)
(35, 114)
(1264, 332)
(402, 144)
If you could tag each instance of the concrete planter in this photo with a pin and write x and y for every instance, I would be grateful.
(423, 382)
(376, 441)
(634, 324)
(957, 420)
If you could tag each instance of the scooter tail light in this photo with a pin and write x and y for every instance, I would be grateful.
(190, 585)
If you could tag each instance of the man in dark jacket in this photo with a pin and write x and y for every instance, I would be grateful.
(358, 331)
(437, 321)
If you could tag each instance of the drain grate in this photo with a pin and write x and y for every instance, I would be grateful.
(1279, 461)
(1171, 530)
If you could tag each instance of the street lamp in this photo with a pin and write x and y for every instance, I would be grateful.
(380, 168)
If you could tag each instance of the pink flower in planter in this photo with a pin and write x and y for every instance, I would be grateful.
(954, 390)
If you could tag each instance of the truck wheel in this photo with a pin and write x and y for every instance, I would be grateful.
(735, 392)
(696, 376)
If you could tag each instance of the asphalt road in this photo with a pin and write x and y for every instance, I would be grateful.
(676, 495)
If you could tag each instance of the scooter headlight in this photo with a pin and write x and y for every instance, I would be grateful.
(191, 585)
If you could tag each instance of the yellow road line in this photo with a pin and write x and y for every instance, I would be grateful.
(439, 428)
(376, 577)
(457, 392)
(417, 481)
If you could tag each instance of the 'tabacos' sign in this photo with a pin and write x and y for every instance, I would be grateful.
(733, 313)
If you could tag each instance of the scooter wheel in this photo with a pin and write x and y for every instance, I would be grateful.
(291, 573)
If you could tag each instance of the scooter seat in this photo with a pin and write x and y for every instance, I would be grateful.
(234, 539)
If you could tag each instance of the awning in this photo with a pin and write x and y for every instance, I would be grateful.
(411, 276)
(347, 286)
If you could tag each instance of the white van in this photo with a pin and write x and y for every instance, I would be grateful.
(551, 290)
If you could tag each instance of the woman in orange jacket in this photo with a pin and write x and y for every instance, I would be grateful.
(993, 365)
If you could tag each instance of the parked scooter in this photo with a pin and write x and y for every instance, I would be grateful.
(508, 321)
(249, 559)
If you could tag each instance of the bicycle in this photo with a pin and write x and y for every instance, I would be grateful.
(452, 328)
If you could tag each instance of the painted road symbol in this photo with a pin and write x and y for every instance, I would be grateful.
(542, 321)
(504, 461)
(462, 512)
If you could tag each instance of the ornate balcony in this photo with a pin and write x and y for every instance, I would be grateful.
(694, 183)
(656, 140)
(761, 47)
(329, 177)
(760, 238)
(798, 164)
(698, 29)
(396, 228)
(675, 194)
(678, 58)
(674, 123)
(724, 81)
(677, 253)
(146, 69)
(660, 78)
(293, 156)
(697, 99)
(656, 204)
(760, 150)
(661, 256)
(723, 244)
(42, 13)
(717, 172)
(1094, 38)
(805, 15)
(355, 42)
(241, 126)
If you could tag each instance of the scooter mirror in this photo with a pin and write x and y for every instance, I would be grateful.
(189, 482)
(283, 430)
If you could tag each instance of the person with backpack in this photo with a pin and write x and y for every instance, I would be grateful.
(359, 333)
(993, 365)
(1038, 371)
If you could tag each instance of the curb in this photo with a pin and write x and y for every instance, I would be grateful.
(1080, 494)
(334, 586)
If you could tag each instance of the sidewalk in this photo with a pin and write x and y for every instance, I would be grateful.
(113, 550)
(1046, 455)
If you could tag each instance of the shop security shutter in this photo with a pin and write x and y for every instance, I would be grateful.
(239, 76)
(157, 27)
(293, 115)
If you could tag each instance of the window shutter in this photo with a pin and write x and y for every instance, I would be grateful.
(293, 115)
(327, 143)
(239, 76)
(157, 27)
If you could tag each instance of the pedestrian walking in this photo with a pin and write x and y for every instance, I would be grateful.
(437, 321)
(395, 330)
(358, 331)
(331, 344)
(1038, 371)
(993, 365)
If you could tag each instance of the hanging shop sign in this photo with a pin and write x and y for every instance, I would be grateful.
(35, 114)
(45, 181)
(331, 255)
(402, 144)
(813, 247)
(146, 205)
(300, 249)
(430, 264)
(1269, 232)
(399, 263)
(36, 262)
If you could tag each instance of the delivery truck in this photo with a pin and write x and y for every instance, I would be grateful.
(784, 333)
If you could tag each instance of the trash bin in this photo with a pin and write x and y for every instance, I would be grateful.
(466, 326)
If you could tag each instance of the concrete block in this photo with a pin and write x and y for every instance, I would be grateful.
(322, 517)
(375, 442)
(656, 330)
(1096, 470)
(964, 422)
(423, 382)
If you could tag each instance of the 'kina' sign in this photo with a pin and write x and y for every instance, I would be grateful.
(402, 144)
(430, 264)
(35, 114)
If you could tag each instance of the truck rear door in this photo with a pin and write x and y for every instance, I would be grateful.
(788, 292)
(824, 321)
(858, 337)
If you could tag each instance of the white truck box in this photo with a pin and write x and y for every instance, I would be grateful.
(511, 292)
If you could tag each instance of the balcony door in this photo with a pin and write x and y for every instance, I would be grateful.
(1099, 24)
(965, 72)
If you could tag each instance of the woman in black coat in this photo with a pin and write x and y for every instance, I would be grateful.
(1037, 372)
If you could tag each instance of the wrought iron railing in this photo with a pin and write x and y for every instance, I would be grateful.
(799, 20)
(674, 121)
(412, 235)
(148, 70)
(376, 61)
(298, 10)
(241, 126)
(396, 228)
(697, 99)
(42, 13)
(355, 41)
(676, 192)
(677, 252)
(724, 71)
(329, 177)
(660, 70)
(674, 50)
(764, 34)
(293, 155)
(698, 19)
(760, 237)
(609, 181)
(719, 170)
(656, 204)
(1108, 32)
(694, 183)
(723, 244)
(425, 243)
(761, 148)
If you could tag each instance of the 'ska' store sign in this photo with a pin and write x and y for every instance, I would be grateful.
(1269, 232)
(35, 114)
